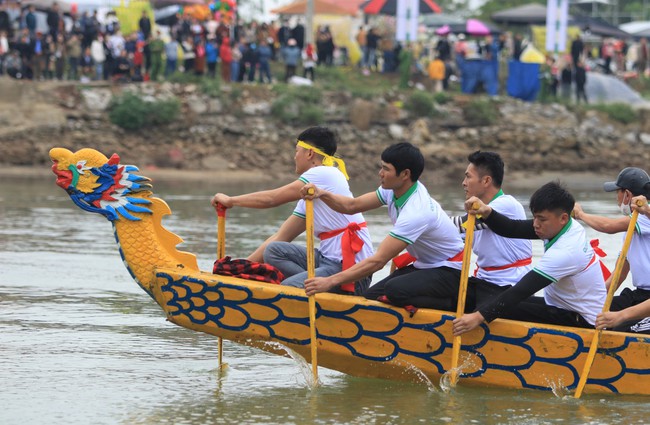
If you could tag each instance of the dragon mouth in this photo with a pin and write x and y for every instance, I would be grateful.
(63, 177)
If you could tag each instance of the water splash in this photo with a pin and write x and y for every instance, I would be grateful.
(419, 374)
(303, 366)
(558, 388)
(445, 380)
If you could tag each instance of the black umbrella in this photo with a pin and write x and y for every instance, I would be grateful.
(389, 7)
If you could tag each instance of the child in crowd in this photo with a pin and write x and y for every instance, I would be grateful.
(309, 58)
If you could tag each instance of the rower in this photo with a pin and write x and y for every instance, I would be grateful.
(501, 262)
(345, 239)
(569, 273)
(420, 226)
(631, 182)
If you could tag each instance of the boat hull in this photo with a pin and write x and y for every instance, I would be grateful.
(371, 339)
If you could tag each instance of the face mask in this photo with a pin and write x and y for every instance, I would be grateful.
(625, 209)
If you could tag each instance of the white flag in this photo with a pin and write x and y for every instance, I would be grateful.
(408, 12)
(557, 17)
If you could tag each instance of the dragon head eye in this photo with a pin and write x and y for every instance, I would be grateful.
(81, 167)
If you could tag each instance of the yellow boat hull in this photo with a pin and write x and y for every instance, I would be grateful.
(370, 339)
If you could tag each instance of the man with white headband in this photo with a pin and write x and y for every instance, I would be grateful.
(344, 239)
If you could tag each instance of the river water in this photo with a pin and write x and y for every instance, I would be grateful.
(80, 343)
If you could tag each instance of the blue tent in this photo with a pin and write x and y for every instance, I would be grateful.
(523, 80)
(479, 71)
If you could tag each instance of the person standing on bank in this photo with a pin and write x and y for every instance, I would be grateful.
(420, 226)
(345, 239)
(569, 272)
(631, 182)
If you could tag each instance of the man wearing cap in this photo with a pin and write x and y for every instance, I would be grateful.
(344, 238)
(631, 182)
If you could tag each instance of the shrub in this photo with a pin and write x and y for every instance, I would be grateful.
(621, 112)
(442, 98)
(164, 111)
(300, 105)
(210, 87)
(284, 109)
(311, 115)
(481, 112)
(305, 94)
(420, 104)
(131, 112)
(185, 78)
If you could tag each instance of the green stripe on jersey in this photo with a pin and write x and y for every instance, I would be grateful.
(401, 238)
(297, 214)
(302, 179)
(552, 279)
(381, 199)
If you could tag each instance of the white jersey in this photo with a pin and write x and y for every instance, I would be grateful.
(498, 256)
(326, 219)
(570, 263)
(639, 254)
(419, 221)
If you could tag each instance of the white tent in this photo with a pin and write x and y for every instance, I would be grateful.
(636, 27)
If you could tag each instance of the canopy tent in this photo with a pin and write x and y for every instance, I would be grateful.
(321, 7)
(637, 28)
(159, 4)
(437, 20)
(533, 13)
(389, 7)
(72, 6)
(470, 27)
(166, 15)
(597, 26)
(603, 88)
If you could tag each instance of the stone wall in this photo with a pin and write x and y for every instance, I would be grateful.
(237, 132)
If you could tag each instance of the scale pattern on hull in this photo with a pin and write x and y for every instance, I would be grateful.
(217, 305)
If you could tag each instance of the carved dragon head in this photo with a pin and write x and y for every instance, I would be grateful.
(99, 184)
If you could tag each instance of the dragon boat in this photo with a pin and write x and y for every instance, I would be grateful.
(356, 336)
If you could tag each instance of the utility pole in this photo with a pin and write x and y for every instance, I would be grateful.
(309, 22)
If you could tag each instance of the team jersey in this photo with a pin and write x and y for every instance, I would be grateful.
(420, 222)
(571, 264)
(639, 254)
(326, 219)
(497, 255)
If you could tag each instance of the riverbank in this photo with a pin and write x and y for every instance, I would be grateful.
(236, 132)
(515, 180)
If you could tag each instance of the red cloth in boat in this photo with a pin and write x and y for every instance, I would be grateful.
(245, 269)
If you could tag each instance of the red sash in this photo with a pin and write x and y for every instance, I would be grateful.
(600, 253)
(405, 259)
(518, 263)
(351, 244)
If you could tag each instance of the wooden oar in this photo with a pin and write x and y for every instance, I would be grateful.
(311, 266)
(462, 291)
(613, 285)
(221, 252)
